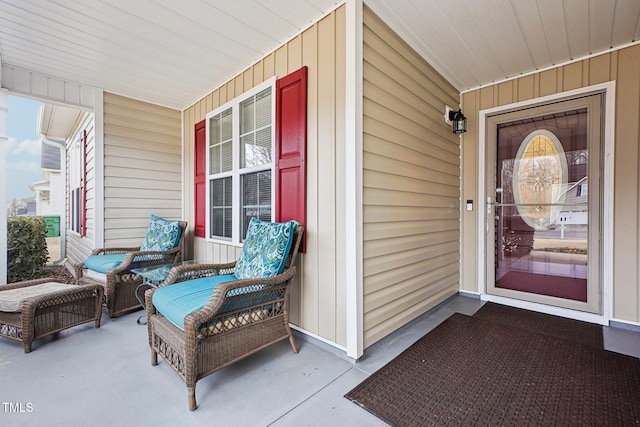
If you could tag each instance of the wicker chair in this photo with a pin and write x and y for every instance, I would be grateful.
(120, 283)
(240, 318)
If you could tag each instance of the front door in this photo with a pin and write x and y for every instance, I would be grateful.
(544, 167)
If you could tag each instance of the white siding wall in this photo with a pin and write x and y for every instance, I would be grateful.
(142, 168)
(57, 193)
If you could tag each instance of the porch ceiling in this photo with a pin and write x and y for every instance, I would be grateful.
(174, 52)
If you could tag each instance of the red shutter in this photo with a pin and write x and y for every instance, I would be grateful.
(83, 184)
(200, 151)
(291, 148)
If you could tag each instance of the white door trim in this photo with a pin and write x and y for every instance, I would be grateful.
(608, 90)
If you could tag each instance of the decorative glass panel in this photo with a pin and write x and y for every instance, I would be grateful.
(540, 179)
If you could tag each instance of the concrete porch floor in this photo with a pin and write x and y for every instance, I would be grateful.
(103, 377)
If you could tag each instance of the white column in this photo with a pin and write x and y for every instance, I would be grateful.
(4, 107)
(353, 173)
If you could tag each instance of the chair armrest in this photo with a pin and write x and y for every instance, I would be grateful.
(216, 307)
(184, 272)
(111, 251)
(142, 259)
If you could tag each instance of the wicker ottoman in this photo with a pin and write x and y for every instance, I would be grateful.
(36, 308)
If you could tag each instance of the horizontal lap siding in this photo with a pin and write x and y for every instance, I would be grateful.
(411, 178)
(142, 168)
(318, 292)
(623, 67)
(79, 248)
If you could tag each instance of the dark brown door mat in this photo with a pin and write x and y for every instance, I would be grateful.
(560, 327)
(470, 371)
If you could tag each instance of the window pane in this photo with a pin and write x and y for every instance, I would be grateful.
(226, 129)
(220, 142)
(246, 151)
(256, 148)
(214, 159)
(214, 130)
(264, 184)
(226, 157)
(263, 146)
(249, 189)
(247, 115)
(256, 198)
(263, 108)
(221, 201)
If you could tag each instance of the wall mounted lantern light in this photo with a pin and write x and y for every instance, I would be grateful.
(458, 121)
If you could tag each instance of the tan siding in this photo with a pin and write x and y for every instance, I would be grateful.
(318, 295)
(623, 67)
(325, 292)
(411, 184)
(142, 168)
(626, 253)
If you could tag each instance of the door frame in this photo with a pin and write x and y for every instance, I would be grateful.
(607, 175)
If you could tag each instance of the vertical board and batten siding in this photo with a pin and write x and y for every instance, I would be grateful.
(411, 170)
(318, 294)
(142, 168)
(621, 66)
(79, 248)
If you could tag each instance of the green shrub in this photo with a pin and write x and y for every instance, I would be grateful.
(26, 248)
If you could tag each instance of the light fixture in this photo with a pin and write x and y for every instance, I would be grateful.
(458, 121)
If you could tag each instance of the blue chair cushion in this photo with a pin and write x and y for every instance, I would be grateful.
(103, 263)
(176, 301)
(162, 235)
(265, 249)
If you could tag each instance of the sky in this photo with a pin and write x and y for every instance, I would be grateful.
(23, 152)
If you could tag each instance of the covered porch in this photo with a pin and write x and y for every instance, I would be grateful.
(395, 201)
(103, 377)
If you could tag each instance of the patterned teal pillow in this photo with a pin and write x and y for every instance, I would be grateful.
(265, 249)
(162, 235)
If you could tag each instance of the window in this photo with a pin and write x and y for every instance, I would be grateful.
(77, 190)
(240, 136)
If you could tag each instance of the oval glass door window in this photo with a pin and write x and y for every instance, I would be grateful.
(540, 179)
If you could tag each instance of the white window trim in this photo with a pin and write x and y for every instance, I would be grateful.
(237, 172)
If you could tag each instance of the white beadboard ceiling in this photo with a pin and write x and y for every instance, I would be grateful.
(173, 52)
(477, 42)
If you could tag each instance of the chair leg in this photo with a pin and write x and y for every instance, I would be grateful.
(191, 392)
(27, 347)
(293, 343)
(154, 357)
